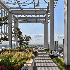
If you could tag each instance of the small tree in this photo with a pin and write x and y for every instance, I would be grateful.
(23, 40)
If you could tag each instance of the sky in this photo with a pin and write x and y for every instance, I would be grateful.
(36, 30)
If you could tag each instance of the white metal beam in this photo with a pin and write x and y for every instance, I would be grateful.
(31, 21)
(25, 8)
(29, 12)
(4, 5)
(46, 32)
(15, 17)
(48, 8)
(22, 18)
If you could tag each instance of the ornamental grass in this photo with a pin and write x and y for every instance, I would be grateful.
(60, 63)
(14, 60)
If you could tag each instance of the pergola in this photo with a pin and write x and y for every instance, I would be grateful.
(14, 12)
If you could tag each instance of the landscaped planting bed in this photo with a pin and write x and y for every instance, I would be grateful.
(60, 63)
(12, 59)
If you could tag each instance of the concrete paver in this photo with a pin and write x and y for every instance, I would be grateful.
(44, 62)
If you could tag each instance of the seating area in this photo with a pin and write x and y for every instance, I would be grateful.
(53, 54)
(43, 61)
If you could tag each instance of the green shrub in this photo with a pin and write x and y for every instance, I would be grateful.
(22, 62)
(29, 49)
(5, 50)
(24, 49)
(21, 50)
(27, 52)
(44, 48)
(32, 57)
(48, 52)
(60, 63)
(6, 61)
(13, 59)
(16, 49)
(12, 49)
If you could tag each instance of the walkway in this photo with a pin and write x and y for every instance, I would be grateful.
(44, 62)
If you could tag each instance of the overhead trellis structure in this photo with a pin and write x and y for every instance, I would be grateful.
(18, 12)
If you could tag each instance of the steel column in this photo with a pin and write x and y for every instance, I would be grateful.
(10, 29)
(16, 25)
(46, 32)
(51, 24)
(67, 32)
(1, 16)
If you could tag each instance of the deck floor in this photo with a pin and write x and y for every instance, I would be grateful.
(44, 62)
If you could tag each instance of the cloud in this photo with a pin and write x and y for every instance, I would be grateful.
(38, 35)
(59, 38)
(39, 39)
(22, 33)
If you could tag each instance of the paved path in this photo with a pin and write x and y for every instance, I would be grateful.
(44, 62)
